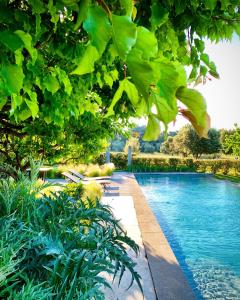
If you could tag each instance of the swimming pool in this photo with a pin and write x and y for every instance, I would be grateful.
(200, 216)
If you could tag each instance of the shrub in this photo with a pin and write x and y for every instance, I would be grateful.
(74, 190)
(56, 246)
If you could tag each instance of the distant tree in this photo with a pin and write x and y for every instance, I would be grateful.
(231, 143)
(117, 145)
(167, 147)
(148, 147)
(187, 142)
(133, 142)
(183, 140)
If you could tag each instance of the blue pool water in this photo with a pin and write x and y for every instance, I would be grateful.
(200, 216)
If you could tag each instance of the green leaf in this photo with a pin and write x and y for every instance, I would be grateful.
(98, 27)
(11, 40)
(146, 42)
(165, 112)
(17, 100)
(86, 64)
(124, 34)
(38, 6)
(13, 78)
(32, 103)
(108, 79)
(153, 129)
(3, 101)
(24, 114)
(127, 5)
(27, 40)
(194, 102)
(131, 91)
(51, 83)
(63, 78)
(124, 86)
(211, 4)
(82, 13)
(205, 58)
(201, 129)
(116, 98)
(144, 73)
(199, 45)
(159, 15)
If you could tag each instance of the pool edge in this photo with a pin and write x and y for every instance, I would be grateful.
(167, 275)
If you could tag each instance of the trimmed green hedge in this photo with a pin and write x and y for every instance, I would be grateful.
(173, 164)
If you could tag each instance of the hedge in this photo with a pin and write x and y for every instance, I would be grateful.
(173, 164)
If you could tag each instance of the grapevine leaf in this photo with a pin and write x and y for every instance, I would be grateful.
(98, 27)
(11, 40)
(86, 64)
(124, 34)
(153, 129)
(24, 114)
(27, 40)
(13, 78)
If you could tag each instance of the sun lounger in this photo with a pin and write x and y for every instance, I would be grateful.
(82, 177)
(75, 179)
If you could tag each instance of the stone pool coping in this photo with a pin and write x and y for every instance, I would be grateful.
(168, 278)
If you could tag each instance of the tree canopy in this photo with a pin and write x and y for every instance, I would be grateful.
(60, 59)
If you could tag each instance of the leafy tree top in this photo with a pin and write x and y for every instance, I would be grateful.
(61, 58)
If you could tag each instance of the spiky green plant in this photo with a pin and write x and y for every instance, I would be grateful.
(56, 246)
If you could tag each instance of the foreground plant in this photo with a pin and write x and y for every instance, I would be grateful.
(57, 247)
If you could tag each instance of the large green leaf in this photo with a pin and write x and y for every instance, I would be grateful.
(165, 112)
(144, 73)
(124, 34)
(86, 64)
(27, 40)
(38, 6)
(194, 102)
(153, 129)
(172, 76)
(146, 42)
(11, 40)
(13, 78)
(98, 27)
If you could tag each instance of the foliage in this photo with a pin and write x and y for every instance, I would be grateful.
(187, 142)
(55, 247)
(231, 142)
(61, 59)
(74, 190)
(132, 142)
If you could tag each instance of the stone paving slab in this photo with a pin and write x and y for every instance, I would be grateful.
(123, 209)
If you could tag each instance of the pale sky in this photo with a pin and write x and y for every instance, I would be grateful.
(222, 95)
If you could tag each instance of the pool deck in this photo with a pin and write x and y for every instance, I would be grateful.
(168, 279)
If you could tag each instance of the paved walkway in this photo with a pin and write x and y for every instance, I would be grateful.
(168, 279)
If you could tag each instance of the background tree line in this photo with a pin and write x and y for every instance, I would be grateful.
(184, 142)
